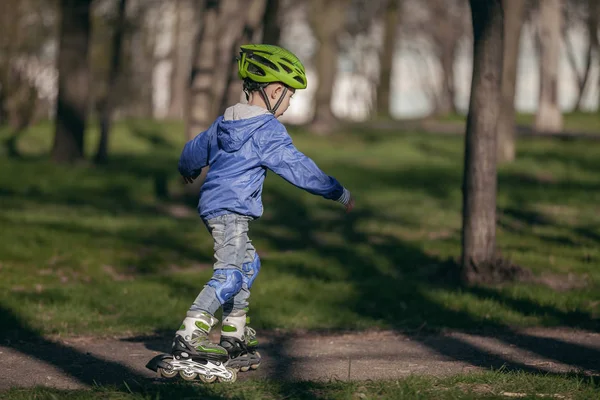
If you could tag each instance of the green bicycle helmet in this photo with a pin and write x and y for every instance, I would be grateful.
(264, 63)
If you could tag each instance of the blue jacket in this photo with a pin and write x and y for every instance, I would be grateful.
(238, 153)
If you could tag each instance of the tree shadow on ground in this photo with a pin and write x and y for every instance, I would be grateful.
(522, 220)
(399, 296)
(85, 368)
(89, 370)
(154, 246)
(580, 160)
(401, 299)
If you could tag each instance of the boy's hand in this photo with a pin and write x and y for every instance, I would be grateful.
(188, 179)
(350, 205)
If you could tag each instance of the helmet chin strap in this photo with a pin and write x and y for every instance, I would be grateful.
(268, 103)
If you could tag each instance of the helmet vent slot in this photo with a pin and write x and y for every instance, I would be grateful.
(286, 68)
(256, 70)
(264, 61)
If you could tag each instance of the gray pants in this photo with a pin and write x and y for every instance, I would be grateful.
(233, 250)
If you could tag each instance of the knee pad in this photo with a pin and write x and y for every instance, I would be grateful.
(227, 283)
(251, 270)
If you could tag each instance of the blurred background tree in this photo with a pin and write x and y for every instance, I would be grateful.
(107, 102)
(581, 15)
(514, 14)
(26, 31)
(391, 17)
(73, 80)
(549, 20)
(327, 21)
(446, 25)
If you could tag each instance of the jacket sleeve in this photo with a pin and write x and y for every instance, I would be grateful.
(279, 154)
(195, 154)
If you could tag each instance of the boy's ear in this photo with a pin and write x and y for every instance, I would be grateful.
(277, 91)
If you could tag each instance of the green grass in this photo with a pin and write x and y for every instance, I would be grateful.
(94, 250)
(580, 122)
(490, 385)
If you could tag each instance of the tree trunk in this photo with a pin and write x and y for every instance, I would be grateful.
(21, 111)
(548, 117)
(582, 83)
(186, 30)
(250, 32)
(479, 187)
(593, 22)
(3, 112)
(232, 17)
(108, 104)
(593, 15)
(9, 28)
(73, 81)
(200, 106)
(386, 59)
(514, 13)
(177, 84)
(271, 23)
(327, 20)
(21, 108)
(139, 49)
(446, 25)
(581, 79)
(447, 104)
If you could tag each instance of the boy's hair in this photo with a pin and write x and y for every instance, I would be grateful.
(250, 86)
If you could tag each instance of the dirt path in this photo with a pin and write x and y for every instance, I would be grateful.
(82, 362)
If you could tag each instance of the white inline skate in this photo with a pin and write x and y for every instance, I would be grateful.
(240, 341)
(193, 355)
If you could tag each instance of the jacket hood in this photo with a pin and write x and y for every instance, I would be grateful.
(240, 122)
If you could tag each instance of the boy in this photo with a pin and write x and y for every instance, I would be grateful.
(238, 148)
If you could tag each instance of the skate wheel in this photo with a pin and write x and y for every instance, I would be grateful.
(244, 369)
(255, 366)
(231, 379)
(167, 373)
(188, 376)
(207, 378)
